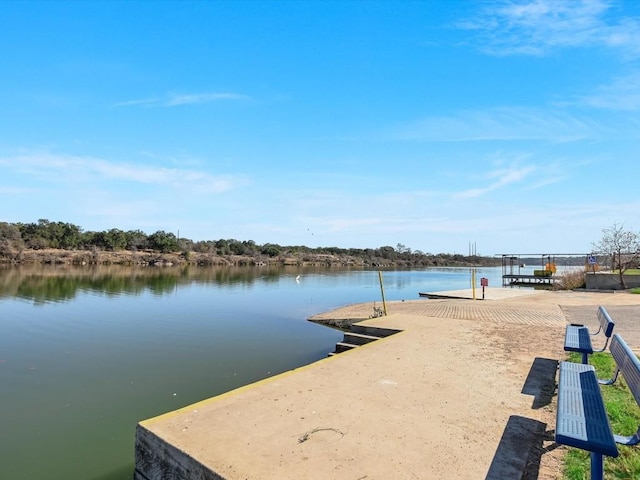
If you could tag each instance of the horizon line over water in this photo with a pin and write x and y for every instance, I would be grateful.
(86, 354)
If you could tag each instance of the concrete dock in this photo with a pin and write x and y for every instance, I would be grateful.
(465, 390)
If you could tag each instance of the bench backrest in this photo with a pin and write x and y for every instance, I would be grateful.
(627, 363)
(606, 324)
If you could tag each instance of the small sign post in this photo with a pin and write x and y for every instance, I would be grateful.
(593, 261)
(484, 282)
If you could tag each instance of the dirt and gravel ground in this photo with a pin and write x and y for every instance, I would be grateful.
(467, 390)
(504, 319)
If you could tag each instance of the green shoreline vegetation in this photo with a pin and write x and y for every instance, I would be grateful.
(65, 243)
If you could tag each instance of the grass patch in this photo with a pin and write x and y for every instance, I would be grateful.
(635, 290)
(628, 271)
(624, 416)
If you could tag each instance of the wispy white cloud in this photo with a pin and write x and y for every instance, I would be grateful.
(508, 123)
(550, 180)
(534, 27)
(70, 168)
(498, 178)
(179, 99)
(17, 190)
(621, 94)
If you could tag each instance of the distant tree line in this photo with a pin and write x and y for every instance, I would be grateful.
(45, 234)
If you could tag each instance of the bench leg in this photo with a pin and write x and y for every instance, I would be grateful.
(597, 466)
(585, 358)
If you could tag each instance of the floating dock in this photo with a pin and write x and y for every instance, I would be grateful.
(520, 279)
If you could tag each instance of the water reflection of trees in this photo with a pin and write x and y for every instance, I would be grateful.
(50, 283)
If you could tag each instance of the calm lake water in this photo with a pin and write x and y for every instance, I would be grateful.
(86, 353)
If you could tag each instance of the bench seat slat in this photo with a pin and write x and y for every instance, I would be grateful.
(577, 339)
(581, 417)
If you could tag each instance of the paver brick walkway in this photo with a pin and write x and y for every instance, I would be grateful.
(465, 310)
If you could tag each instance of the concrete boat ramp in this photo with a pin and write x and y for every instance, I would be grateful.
(462, 391)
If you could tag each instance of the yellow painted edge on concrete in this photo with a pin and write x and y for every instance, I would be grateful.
(230, 393)
(257, 383)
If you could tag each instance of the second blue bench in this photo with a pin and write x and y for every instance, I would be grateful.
(577, 338)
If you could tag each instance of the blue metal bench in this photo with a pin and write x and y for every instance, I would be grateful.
(627, 363)
(581, 419)
(577, 338)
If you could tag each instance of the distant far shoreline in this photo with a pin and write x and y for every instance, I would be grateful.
(52, 256)
(63, 243)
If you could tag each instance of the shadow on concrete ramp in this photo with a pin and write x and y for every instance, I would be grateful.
(521, 447)
(519, 450)
(541, 381)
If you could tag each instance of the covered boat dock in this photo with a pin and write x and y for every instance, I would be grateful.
(537, 269)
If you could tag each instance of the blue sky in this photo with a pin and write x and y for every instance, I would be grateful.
(513, 125)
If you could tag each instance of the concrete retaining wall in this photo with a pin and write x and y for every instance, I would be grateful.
(158, 460)
(610, 281)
